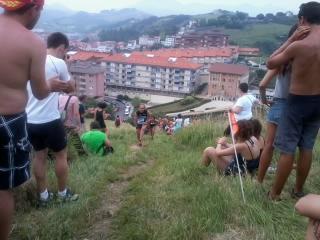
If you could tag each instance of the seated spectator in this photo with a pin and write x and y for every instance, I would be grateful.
(223, 156)
(309, 207)
(95, 141)
(170, 128)
(178, 123)
(186, 122)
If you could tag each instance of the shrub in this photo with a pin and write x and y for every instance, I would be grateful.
(188, 100)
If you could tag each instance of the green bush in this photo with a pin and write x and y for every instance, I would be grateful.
(188, 100)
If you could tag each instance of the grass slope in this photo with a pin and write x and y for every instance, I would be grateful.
(88, 177)
(177, 199)
(177, 106)
(258, 33)
(180, 200)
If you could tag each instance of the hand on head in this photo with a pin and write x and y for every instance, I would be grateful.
(301, 33)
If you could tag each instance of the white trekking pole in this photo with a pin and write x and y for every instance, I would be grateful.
(235, 152)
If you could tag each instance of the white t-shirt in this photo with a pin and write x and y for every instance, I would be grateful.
(245, 102)
(46, 110)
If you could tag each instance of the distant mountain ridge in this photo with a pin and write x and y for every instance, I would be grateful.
(54, 18)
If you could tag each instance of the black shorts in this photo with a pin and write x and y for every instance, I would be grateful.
(14, 151)
(140, 126)
(50, 135)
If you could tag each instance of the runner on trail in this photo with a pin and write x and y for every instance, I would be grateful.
(152, 125)
(140, 120)
(300, 120)
(117, 122)
(22, 58)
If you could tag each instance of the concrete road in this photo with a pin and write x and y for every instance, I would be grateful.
(120, 106)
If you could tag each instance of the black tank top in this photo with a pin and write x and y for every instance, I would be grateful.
(142, 117)
(100, 118)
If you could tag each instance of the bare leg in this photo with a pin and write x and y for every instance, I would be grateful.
(6, 213)
(40, 169)
(152, 131)
(138, 131)
(210, 156)
(142, 132)
(303, 168)
(266, 156)
(309, 206)
(283, 171)
(62, 168)
(310, 231)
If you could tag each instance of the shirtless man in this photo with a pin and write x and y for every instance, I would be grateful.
(22, 57)
(300, 122)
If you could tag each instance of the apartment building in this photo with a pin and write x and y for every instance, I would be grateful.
(225, 79)
(169, 41)
(203, 56)
(147, 72)
(89, 78)
(148, 41)
(202, 38)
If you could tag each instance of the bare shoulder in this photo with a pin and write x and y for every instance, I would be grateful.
(240, 146)
(35, 43)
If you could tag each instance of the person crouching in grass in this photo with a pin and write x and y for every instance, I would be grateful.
(95, 141)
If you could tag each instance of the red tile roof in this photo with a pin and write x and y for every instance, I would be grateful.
(137, 59)
(249, 51)
(191, 53)
(235, 69)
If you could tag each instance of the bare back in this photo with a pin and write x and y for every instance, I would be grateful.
(15, 62)
(306, 66)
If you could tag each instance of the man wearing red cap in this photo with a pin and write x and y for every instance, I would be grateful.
(22, 58)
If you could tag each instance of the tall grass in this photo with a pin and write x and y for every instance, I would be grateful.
(88, 177)
(179, 199)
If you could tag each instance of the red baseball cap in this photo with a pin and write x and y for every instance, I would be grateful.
(13, 5)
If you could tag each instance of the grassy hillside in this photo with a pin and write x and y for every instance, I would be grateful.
(175, 199)
(178, 106)
(179, 199)
(265, 36)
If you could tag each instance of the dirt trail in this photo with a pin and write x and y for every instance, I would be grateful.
(111, 202)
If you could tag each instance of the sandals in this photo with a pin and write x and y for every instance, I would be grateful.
(297, 195)
(277, 199)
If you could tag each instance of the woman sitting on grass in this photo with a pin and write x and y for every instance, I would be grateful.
(247, 147)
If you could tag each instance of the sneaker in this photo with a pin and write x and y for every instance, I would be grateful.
(45, 202)
(69, 197)
(272, 170)
(297, 195)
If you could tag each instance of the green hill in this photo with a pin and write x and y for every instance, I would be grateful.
(267, 36)
(172, 198)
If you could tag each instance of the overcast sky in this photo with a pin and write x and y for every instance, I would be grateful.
(252, 6)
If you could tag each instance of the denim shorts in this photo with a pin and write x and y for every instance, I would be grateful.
(299, 124)
(275, 110)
